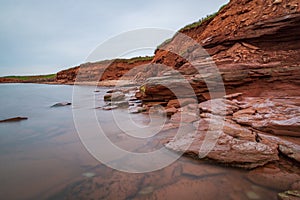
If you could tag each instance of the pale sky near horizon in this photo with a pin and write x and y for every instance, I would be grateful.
(42, 37)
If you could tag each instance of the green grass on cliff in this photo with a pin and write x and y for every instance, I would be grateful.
(136, 59)
(198, 23)
(32, 78)
(193, 25)
(204, 19)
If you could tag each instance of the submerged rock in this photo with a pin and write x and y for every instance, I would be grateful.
(111, 107)
(62, 104)
(146, 190)
(89, 174)
(137, 109)
(14, 119)
(252, 195)
(273, 177)
(119, 104)
(194, 170)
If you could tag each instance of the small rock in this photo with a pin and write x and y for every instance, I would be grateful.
(232, 96)
(135, 101)
(135, 110)
(170, 111)
(88, 174)
(289, 195)
(113, 91)
(146, 190)
(252, 195)
(115, 96)
(250, 46)
(119, 103)
(61, 104)
(109, 107)
(277, 2)
(14, 119)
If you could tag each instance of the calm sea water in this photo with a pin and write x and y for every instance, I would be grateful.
(42, 152)
(43, 157)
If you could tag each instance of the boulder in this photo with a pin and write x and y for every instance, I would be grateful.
(167, 88)
(236, 142)
(232, 144)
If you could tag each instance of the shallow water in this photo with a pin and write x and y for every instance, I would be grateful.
(43, 157)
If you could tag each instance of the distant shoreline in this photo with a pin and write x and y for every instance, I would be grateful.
(104, 83)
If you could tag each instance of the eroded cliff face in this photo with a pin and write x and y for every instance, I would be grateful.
(255, 45)
(103, 70)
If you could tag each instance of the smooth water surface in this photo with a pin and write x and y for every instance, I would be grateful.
(43, 157)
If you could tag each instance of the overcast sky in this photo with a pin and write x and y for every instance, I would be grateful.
(40, 37)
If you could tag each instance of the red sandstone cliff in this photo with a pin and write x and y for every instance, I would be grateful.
(103, 70)
(255, 45)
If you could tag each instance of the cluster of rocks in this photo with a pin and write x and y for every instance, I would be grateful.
(247, 133)
(123, 98)
(18, 119)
